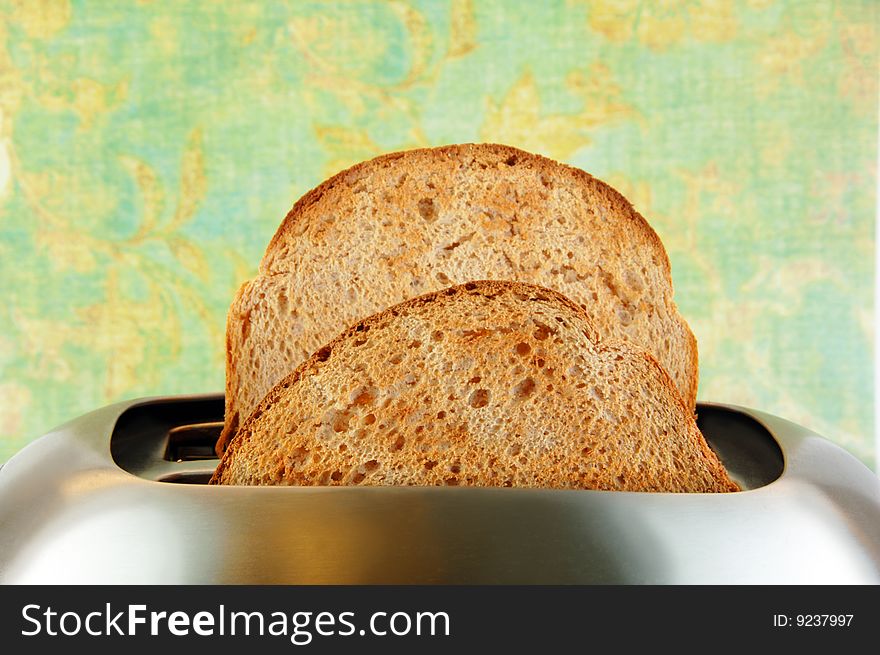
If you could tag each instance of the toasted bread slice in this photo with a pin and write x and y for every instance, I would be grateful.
(485, 384)
(413, 222)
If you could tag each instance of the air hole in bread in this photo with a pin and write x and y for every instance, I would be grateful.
(541, 332)
(369, 419)
(371, 466)
(475, 380)
(336, 476)
(522, 349)
(428, 210)
(479, 398)
(429, 464)
(396, 359)
(399, 442)
(357, 478)
(451, 482)
(441, 415)
(524, 389)
(324, 354)
(362, 396)
(340, 421)
(437, 335)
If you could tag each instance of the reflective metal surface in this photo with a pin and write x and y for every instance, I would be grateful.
(98, 500)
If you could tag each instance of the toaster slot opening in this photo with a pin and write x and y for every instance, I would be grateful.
(188, 478)
(188, 443)
(745, 447)
(169, 439)
(172, 440)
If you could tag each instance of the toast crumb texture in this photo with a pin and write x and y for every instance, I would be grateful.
(413, 222)
(484, 384)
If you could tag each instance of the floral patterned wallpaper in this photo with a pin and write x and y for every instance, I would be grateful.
(148, 150)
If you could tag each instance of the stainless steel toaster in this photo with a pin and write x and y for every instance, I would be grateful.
(120, 496)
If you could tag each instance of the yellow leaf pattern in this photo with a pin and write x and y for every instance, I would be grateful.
(41, 19)
(664, 23)
(463, 28)
(192, 181)
(519, 120)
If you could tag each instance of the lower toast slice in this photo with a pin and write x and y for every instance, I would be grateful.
(485, 384)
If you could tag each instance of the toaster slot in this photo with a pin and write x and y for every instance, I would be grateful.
(169, 440)
(745, 447)
(172, 440)
(187, 443)
(198, 477)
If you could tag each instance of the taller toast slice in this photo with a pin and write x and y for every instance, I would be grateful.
(484, 384)
(413, 222)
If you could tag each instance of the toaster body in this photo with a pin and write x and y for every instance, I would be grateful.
(120, 495)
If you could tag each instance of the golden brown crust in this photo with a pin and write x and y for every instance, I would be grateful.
(231, 419)
(694, 356)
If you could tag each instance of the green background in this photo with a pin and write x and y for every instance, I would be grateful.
(148, 150)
